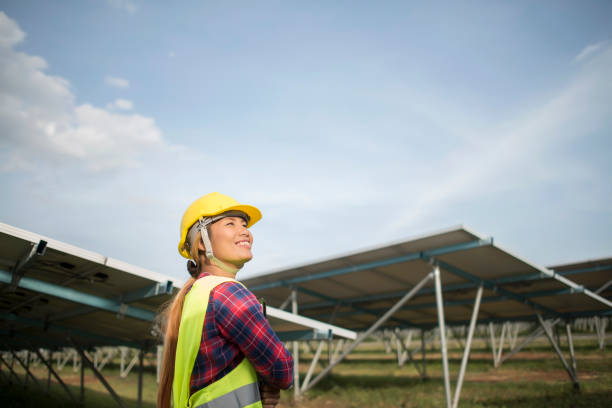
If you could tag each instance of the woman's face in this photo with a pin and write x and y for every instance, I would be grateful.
(231, 241)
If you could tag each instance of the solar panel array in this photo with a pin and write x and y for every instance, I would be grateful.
(355, 289)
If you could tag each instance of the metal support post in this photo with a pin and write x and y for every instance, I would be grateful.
(549, 334)
(51, 371)
(337, 350)
(315, 359)
(160, 351)
(423, 356)
(468, 345)
(406, 353)
(570, 344)
(296, 349)
(85, 360)
(124, 372)
(140, 370)
(12, 372)
(537, 332)
(502, 337)
(27, 369)
(600, 329)
(514, 335)
(27, 364)
(441, 325)
(493, 346)
(82, 393)
(372, 328)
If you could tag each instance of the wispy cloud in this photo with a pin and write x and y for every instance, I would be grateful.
(121, 104)
(126, 5)
(588, 51)
(512, 155)
(116, 82)
(41, 121)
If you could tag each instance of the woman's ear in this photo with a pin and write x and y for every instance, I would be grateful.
(192, 268)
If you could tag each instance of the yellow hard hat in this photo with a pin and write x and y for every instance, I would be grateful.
(210, 205)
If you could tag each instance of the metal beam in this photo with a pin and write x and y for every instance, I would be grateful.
(440, 307)
(79, 297)
(85, 360)
(99, 339)
(18, 270)
(462, 286)
(490, 285)
(338, 302)
(548, 332)
(10, 369)
(26, 368)
(51, 371)
(468, 346)
(409, 295)
(369, 265)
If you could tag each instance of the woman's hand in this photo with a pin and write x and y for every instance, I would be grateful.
(269, 395)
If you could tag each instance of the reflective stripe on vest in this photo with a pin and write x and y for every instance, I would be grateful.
(238, 388)
(242, 397)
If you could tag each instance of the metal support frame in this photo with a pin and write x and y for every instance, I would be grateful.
(536, 333)
(409, 295)
(57, 377)
(18, 271)
(337, 351)
(124, 371)
(10, 369)
(26, 368)
(600, 329)
(570, 345)
(440, 307)
(313, 364)
(296, 349)
(82, 388)
(497, 349)
(79, 297)
(549, 335)
(468, 346)
(85, 360)
(104, 359)
(141, 354)
(404, 353)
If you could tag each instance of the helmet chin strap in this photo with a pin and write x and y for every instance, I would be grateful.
(210, 256)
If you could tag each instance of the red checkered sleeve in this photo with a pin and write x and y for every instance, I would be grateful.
(240, 318)
(235, 327)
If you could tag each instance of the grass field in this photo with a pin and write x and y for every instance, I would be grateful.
(371, 378)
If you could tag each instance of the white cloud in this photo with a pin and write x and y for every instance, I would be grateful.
(588, 51)
(117, 82)
(40, 122)
(126, 5)
(121, 104)
(10, 33)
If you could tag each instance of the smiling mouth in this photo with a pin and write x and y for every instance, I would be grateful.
(244, 244)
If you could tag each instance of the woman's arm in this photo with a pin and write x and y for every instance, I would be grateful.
(240, 318)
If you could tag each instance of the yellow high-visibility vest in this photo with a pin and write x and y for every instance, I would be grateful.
(238, 388)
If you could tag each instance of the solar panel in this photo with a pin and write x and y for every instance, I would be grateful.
(356, 288)
(54, 295)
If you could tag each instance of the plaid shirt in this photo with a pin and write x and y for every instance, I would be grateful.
(234, 327)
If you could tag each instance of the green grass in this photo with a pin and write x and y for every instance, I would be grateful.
(371, 378)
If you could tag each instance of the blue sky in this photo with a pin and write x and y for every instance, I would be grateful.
(349, 124)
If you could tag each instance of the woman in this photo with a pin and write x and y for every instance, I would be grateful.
(219, 349)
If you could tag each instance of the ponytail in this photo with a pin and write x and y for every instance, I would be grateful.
(173, 320)
(171, 316)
